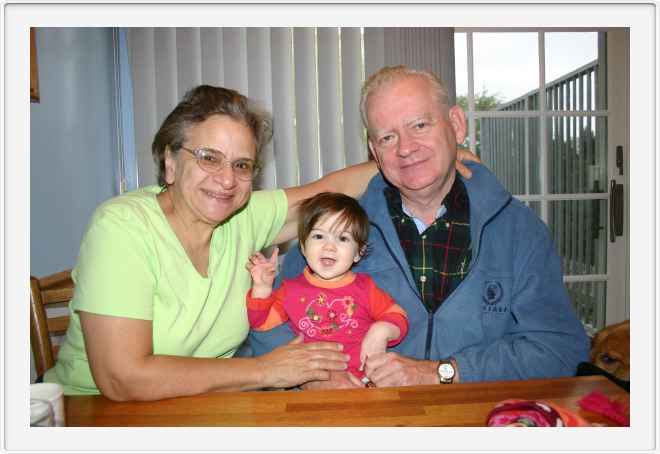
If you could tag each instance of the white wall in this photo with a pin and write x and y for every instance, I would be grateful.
(73, 142)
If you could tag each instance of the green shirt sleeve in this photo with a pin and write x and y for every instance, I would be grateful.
(116, 266)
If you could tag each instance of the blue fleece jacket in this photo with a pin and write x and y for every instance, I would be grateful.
(510, 318)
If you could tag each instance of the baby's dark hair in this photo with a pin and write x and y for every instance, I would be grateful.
(351, 216)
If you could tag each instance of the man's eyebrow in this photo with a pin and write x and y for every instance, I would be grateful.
(422, 117)
(380, 131)
(416, 119)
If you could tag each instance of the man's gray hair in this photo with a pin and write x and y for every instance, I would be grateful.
(386, 76)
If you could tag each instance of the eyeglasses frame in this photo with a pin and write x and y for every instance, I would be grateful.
(255, 172)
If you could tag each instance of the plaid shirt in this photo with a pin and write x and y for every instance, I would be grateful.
(438, 257)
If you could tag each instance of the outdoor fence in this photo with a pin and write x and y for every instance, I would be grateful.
(576, 164)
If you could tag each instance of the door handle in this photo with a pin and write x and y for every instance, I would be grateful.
(616, 210)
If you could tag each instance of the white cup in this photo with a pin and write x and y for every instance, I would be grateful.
(53, 393)
(41, 413)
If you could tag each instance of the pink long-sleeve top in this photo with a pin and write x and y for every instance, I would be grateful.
(338, 311)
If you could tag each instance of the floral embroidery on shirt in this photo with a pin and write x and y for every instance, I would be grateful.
(327, 318)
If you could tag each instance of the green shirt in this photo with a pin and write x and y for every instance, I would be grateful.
(132, 265)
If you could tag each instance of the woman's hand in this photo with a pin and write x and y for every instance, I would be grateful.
(297, 362)
(463, 154)
(338, 380)
(124, 365)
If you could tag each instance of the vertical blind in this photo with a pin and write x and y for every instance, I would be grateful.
(309, 78)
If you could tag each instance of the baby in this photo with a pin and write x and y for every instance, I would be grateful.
(328, 302)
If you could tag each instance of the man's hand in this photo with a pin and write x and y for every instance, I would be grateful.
(393, 369)
(337, 380)
(463, 154)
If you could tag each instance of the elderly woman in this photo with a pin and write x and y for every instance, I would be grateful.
(159, 304)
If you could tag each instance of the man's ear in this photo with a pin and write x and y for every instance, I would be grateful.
(170, 165)
(458, 123)
(373, 153)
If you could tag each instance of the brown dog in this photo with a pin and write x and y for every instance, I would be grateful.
(610, 350)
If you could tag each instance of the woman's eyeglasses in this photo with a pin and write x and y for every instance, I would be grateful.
(212, 161)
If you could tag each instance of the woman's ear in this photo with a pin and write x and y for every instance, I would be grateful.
(170, 165)
(458, 123)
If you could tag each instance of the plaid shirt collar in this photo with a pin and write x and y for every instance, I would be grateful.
(439, 255)
(455, 205)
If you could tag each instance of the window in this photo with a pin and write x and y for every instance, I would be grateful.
(538, 116)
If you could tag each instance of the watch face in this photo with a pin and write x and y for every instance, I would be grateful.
(446, 370)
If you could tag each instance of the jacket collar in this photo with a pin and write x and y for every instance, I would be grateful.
(487, 198)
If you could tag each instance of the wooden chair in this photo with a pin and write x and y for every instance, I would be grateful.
(46, 334)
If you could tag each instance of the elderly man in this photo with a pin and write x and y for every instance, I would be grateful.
(475, 269)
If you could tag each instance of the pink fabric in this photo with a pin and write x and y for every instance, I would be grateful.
(613, 409)
(529, 413)
(330, 311)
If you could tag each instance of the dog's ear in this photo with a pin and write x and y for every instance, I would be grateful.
(597, 341)
(598, 336)
(603, 333)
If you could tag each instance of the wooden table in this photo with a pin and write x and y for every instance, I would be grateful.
(438, 405)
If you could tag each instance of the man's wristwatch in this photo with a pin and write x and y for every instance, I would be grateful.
(446, 371)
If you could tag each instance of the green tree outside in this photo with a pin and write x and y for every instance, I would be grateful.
(482, 101)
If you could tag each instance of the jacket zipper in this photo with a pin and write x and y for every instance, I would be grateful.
(429, 336)
(429, 332)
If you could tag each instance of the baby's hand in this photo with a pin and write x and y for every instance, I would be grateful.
(263, 273)
(376, 339)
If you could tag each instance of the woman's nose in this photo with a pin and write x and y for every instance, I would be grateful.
(225, 177)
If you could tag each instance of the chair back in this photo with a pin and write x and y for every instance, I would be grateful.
(46, 334)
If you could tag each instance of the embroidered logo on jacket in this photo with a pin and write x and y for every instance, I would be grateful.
(492, 296)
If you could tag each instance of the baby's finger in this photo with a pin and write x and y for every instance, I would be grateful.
(273, 258)
(363, 359)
